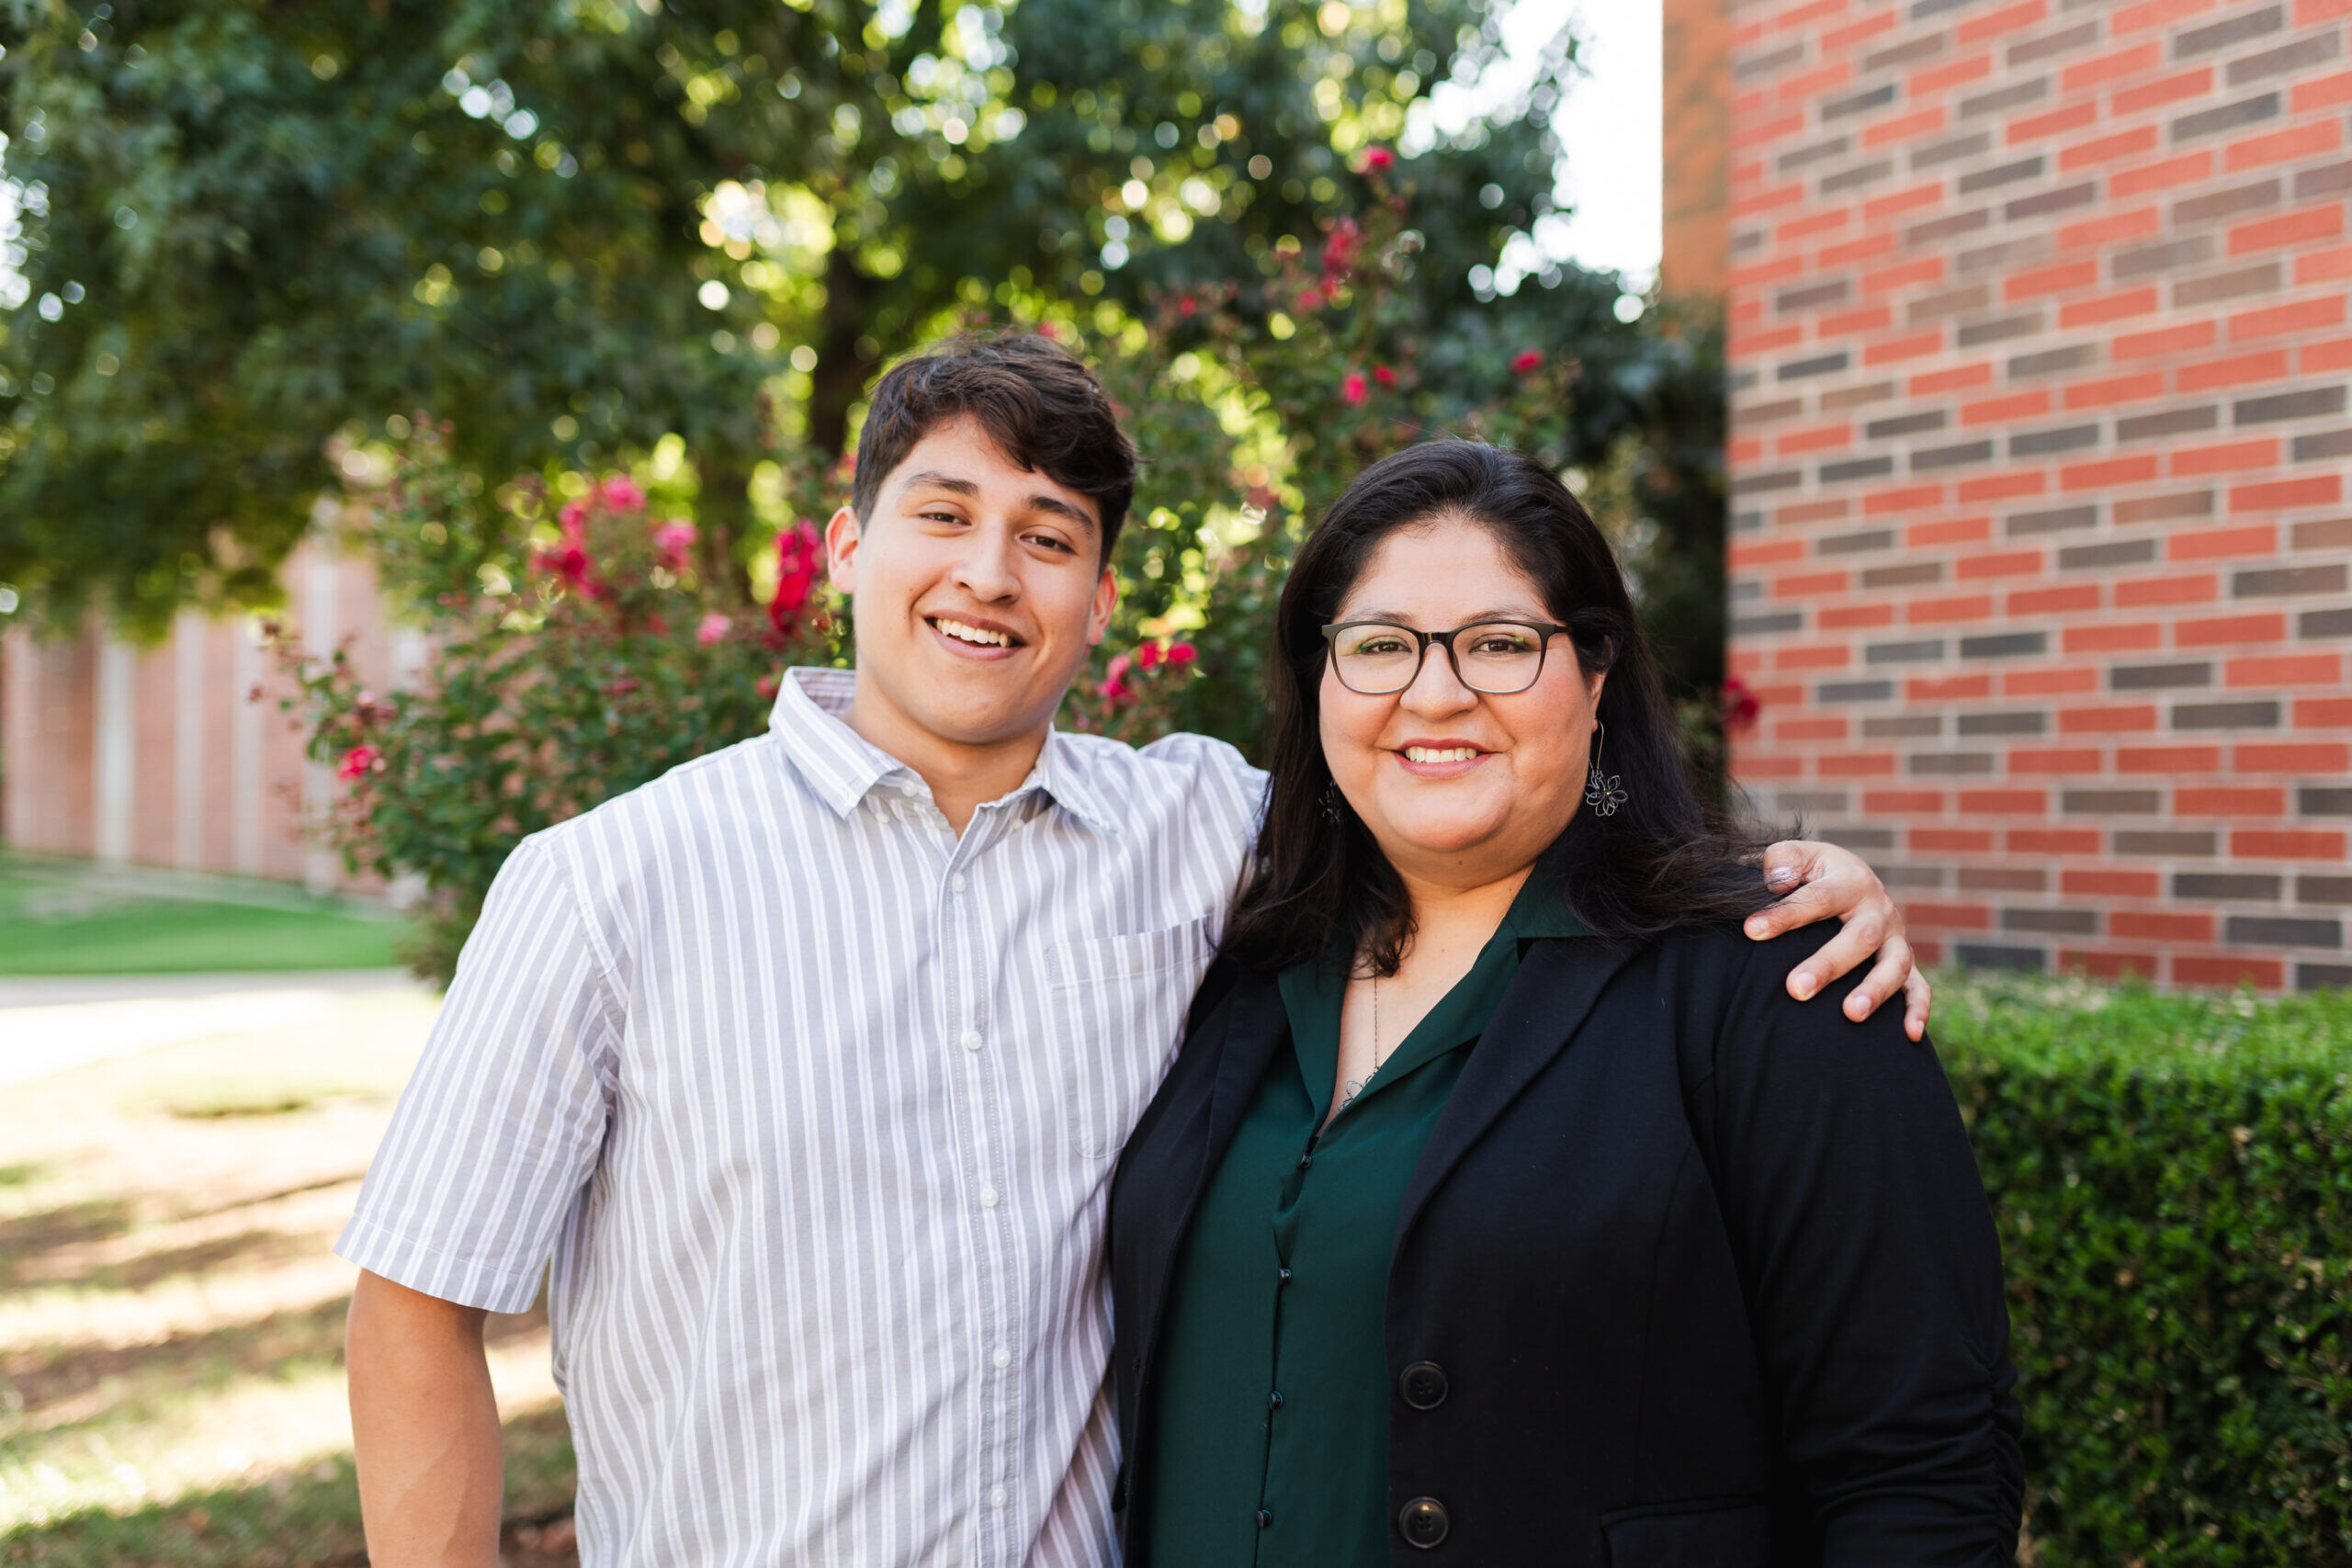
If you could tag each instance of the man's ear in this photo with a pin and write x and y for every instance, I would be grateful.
(1106, 599)
(842, 537)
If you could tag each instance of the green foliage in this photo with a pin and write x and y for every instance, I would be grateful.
(2173, 1178)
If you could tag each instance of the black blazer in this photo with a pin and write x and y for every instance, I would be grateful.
(1689, 1275)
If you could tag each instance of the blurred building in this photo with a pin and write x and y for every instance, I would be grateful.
(2039, 349)
(161, 756)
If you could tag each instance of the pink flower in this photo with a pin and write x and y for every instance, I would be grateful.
(620, 493)
(1115, 688)
(1738, 703)
(1385, 375)
(673, 540)
(1352, 391)
(1310, 299)
(1376, 159)
(1181, 654)
(714, 626)
(573, 516)
(1526, 359)
(360, 762)
(1340, 250)
(1186, 305)
(1045, 330)
(798, 550)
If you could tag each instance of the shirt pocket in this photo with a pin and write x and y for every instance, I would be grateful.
(1118, 1011)
(1716, 1533)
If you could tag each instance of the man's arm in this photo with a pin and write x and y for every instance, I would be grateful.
(1822, 880)
(423, 1427)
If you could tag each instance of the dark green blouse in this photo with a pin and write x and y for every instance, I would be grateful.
(1270, 1441)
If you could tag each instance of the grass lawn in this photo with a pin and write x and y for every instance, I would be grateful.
(64, 917)
(171, 1318)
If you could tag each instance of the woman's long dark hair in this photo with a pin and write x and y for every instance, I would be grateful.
(1321, 889)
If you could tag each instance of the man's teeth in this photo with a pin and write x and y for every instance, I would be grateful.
(1432, 755)
(963, 633)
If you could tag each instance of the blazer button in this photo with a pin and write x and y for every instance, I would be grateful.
(1424, 1522)
(1424, 1385)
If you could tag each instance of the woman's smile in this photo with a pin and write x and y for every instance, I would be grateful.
(1440, 759)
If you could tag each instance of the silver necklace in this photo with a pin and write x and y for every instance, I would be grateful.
(1355, 1086)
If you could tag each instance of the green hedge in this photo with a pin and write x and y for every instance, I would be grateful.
(2173, 1177)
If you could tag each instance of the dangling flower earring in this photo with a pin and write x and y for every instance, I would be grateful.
(1331, 801)
(1602, 791)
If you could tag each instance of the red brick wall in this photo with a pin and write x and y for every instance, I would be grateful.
(2039, 352)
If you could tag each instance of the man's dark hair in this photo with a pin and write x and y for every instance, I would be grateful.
(1036, 400)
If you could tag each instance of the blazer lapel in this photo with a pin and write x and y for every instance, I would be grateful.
(1539, 1014)
(1253, 1028)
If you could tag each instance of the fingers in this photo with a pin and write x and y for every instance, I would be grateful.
(1788, 862)
(1918, 994)
(1886, 977)
(1850, 946)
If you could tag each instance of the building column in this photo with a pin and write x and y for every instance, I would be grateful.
(114, 744)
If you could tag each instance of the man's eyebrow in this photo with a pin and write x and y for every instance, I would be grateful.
(1041, 502)
(938, 481)
(1059, 507)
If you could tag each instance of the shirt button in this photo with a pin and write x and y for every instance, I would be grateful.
(971, 1041)
(1285, 1276)
(1274, 1400)
(998, 1499)
(988, 1197)
(1305, 1160)
(955, 883)
(1264, 1519)
(1003, 1359)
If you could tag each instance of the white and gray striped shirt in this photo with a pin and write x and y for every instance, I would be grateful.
(815, 1105)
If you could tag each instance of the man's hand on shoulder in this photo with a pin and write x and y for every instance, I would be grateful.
(1818, 881)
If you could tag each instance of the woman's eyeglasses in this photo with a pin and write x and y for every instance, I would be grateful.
(1378, 659)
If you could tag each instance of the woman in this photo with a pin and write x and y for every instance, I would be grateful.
(1500, 1205)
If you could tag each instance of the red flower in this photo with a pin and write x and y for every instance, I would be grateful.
(1181, 654)
(1148, 657)
(1385, 375)
(798, 550)
(672, 541)
(1310, 297)
(1353, 390)
(1376, 159)
(620, 493)
(360, 762)
(1738, 703)
(1186, 305)
(1114, 689)
(1526, 359)
(1340, 250)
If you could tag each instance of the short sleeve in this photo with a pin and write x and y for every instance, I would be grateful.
(498, 1131)
(1231, 791)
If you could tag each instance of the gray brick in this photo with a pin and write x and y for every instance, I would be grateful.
(2159, 677)
(1937, 229)
(2008, 98)
(2052, 360)
(1854, 397)
(1761, 484)
(1985, 956)
(2225, 715)
(1856, 837)
(2322, 444)
(2228, 117)
(2262, 278)
(1951, 456)
(1949, 302)
(1805, 298)
(2325, 623)
(1813, 800)
(2292, 56)
(2159, 508)
(2058, 923)
(1902, 726)
(1924, 8)
(1925, 47)
(2144, 261)
(1768, 61)
(1906, 425)
(2324, 800)
(1856, 176)
(2004, 644)
(1744, 589)
(1819, 364)
(2324, 890)
(1910, 876)
(1854, 544)
(2172, 422)
(1946, 151)
(1742, 242)
(2310, 403)
(2058, 520)
(2322, 976)
(2248, 886)
(1910, 574)
(2220, 35)
(1765, 413)
(1853, 691)
(2069, 438)
(1764, 625)
(1747, 522)
(2264, 582)
(2110, 802)
(2323, 534)
(1855, 468)
(2020, 251)
(2164, 842)
(2329, 179)
(2002, 879)
(1820, 152)
(1857, 103)
(2004, 723)
(2283, 930)
(2227, 203)
(1951, 764)
(2059, 200)
(2117, 552)
(1925, 651)
(1995, 332)
(2002, 174)
(2028, 51)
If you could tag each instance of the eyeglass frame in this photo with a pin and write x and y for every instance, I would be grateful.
(1445, 640)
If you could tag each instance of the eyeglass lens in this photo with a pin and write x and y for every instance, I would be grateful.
(1494, 656)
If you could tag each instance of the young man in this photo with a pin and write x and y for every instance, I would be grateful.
(808, 1062)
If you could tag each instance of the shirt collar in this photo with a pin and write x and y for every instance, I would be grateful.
(843, 767)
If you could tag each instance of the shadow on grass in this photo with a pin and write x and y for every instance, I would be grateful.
(304, 1519)
(27, 1238)
(28, 1242)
